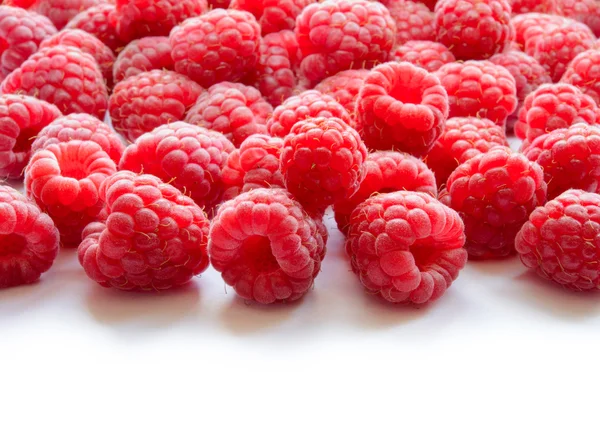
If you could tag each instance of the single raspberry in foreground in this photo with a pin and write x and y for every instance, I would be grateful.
(429, 55)
(344, 87)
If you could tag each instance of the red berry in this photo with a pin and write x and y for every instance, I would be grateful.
(143, 55)
(62, 11)
(273, 15)
(414, 21)
(529, 26)
(344, 87)
(537, 6)
(429, 55)
(584, 73)
(101, 22)
(586, 11)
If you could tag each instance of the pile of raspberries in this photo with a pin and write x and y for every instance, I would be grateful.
(158, 137)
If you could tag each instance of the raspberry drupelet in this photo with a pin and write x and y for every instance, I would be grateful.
(406, 247)
(344, 87)
(143, 55)
(584, 73)
(530, 26)
(429, 55)
(154, 238)
(101, 22)
(585, 11)
(414, 21)
(62, 11)
(272, 15)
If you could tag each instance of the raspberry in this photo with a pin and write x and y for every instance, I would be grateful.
(533, 6)
(338, 35)
(463, 139)
(561, 240)
(494, 193)
(265, 246)
(406, 246)
(21, 32)
(28, 239)
(101, 22)
(344, 87)
(414, 21)
(322, 162)
(184, 156)
(149, 99)
(479, 88)
(62, 11)
(142, 18)
(529, 26)
(386, 171)
(585, 11)
(154, 238)
(64, 179)
(218, 4)
(21, 119)
(584, 73)
(273, 15)
(306, 105)
(143, 55)
(429, 55)
(64, 76)
(254, 165)
(221, 45)
(234, 109)
(401, 106)
(474, 29)
(552, 107)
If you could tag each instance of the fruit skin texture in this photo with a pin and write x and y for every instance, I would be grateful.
(494, 193)
(386, 171)
(154, 237)
(149, 99)
(344, 87)
(266, 246)
(21, 119)
(570, 158)
(322, 162)
(188, 157)
(221, 45)
(585, 11)
(338, 35)
(406, 246)
(414, 21)
(584, 73)
(142, 55)
(429, 55)
(534, 6)
(61, 11)
(28, 239)
(530, 26)
(401, 107)
(561, 240)
(273, 15)
(474, 29)
(100, 21)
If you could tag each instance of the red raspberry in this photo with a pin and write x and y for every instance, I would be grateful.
(474, 29)
(143, 55)
(537, 6)
(406, 246)
(154, 238)
(185, 156)
(338, 35)
(552, 107)
(429, 55)
(28, 239)
(494, 193)
(265, 246)
(218, 4)
(80, 127)
(273, 15)
(401, 106)
(479, 88)
(305, 105)
(561, 240)
(344, 87)
(386, 171)
(463, 139)
(235, 110)
(21, 32)
(322, 162)
(101, 22)
(529, 26)
(62, 11)
(221, 45)
(584, 73)
(586, 11)
(254, 165)
(21, 119)
(142, 18)
(149, 99)
(64, 179)
(414, 21)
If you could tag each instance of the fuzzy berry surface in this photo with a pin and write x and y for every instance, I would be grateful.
(414, 21)
(429, 55)
(143, 55)
(584, 73)
(272, 15)
(585, 11)
(60, 12)
(530, 26)
(101, 22)
(154, 238)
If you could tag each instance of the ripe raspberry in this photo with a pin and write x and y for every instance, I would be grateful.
(218, 4)
(401, 106)
(322, 162)
(154, 238)
(414, 21)
(28, 239)
(21, 32)
(534, 6)
(265, 246)
(585, 11)
(62, 11)
(254, 165)
(101, 22)
(529, 26)
(560, 240)
(463, 139)
(185, 156)
(584, 73)
(338, 35)
(143, 55)
(386, 171)
(149, 99)
(273, 15)
(64, 179)
(479, 88)
(429, 55)
(80, 127)
(142, 18)
(406, 246)
(64, 76)
(494, 193)
(21, 119)
(221, 45)
(234, 109)
(305, 105)
(552, 107)
(344, 87)
(474, 29)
